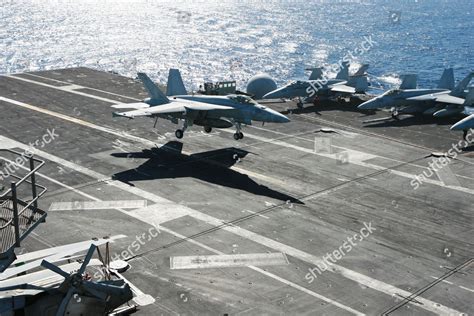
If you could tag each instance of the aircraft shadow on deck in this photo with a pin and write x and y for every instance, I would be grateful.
(168, 162)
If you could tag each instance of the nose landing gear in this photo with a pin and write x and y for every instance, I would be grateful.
(238, 134)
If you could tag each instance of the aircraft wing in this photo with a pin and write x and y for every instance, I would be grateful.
(136, 106)
(173, 107)
(343, 88)
(442, 98)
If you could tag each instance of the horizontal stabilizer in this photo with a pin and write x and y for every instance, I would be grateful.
(136, 106)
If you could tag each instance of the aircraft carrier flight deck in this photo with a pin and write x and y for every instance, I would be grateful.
(323, 215)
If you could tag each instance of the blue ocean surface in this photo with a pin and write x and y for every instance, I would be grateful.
(236, 39)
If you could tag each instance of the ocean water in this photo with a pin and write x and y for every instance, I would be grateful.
(232, 39)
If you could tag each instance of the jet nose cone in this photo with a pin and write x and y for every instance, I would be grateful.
(277, 117)
(464, 124)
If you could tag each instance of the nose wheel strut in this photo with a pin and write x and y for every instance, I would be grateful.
(238, 134)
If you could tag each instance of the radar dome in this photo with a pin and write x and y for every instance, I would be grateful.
(260, 85)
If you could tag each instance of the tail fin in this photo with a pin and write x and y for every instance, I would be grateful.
(447, 79)
(343, 74)
(360, 83)
(361, 71)
(316, 73)
(408, 81)
(155, 93)
(175, 83)
(463, 84)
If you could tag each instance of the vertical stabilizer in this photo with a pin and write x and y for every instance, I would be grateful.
(362, 71)
(343, 74)
(175, 83)
(316, 73)
(463, 85)
(157, 96)
(408, 81)
(447, 79)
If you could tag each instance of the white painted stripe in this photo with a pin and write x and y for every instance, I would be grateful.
(467, 289)
(277, 246)
(260, 215)
(225, 261)
(433, 277)
(94, 205)
(305, 290)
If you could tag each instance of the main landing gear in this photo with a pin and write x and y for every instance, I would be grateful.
(238, 134)
(207, 129)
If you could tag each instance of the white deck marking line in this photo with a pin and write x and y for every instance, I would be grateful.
(260, 215)
(228, 261)
(270, 243)
(465, 288)
(164, 229)
(94, 205)
(433, 277)
(451, 283)
(352, 153)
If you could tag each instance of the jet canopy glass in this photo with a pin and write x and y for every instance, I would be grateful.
(242, 99)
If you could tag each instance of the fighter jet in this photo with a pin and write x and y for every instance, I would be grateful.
(442, 101)
(203, 110)
(318, 85)
(468, 122)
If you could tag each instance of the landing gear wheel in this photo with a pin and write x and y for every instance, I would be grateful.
(207, 129)
(179, 134)
(238, 136)
(241, 135)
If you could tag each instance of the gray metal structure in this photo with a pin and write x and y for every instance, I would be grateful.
(19, 212)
